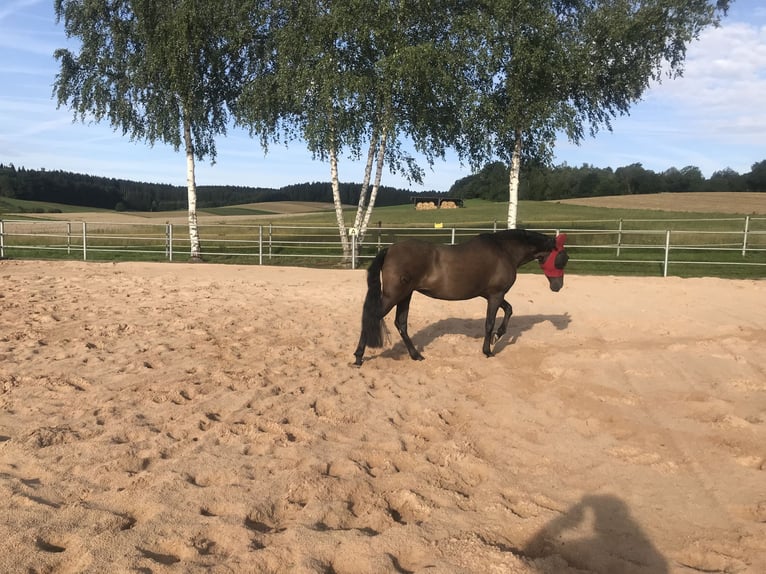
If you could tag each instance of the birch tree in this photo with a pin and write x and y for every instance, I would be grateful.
(547, 67)
(158, 71)
(306, 87)
(351, 75)
(416, 79)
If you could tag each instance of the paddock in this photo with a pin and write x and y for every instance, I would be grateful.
(159, 417)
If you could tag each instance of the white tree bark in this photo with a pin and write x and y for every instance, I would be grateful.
(191, 188)
(513, 183)
(346, 246)
(360, 208)
(376, 185)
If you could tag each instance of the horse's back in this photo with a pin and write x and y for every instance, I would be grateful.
(410, 258)
(461, 271)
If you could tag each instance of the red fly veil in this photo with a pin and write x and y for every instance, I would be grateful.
(553, 265)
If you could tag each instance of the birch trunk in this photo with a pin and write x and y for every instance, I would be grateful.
(338, 204)
(366, 182)
(191, 188)
(513, 183)
(376, 185)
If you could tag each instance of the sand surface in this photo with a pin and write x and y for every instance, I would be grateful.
(204, 418)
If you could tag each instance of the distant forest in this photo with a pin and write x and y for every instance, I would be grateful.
(564, 182)
(124, 195)
(491, 183)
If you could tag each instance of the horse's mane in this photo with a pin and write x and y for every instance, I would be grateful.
(540, 241)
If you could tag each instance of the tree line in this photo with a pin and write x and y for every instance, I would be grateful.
(497, 79)
(124, 195)
(540, 182)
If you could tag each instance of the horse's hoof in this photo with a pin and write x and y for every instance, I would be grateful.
(418, 357)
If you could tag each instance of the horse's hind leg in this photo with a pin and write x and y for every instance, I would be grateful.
(402, 311)
(493, 304)
(373, 330)
(508, 310)
(359, 353)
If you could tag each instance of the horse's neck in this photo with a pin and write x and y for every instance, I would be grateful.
(520, 252)
(528, 254)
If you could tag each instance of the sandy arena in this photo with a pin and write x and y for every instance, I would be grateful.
(161, 418)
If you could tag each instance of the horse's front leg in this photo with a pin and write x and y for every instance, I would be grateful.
(493, 304)
(508, 310)
(402, 311)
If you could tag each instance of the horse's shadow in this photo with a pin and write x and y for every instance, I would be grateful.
(474, 328)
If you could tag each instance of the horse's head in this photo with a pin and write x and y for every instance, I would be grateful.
(553, 263)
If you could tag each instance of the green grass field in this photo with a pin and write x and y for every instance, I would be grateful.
(532, 214)
(236, 210)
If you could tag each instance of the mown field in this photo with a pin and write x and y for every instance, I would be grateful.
(476, 212)
(611, 235)
(744, 203)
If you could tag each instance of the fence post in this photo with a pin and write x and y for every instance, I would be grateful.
(744, 235)
(260, 245)
(68, 238)
(2, 239)
(270, 235)
(667, 253)
(453, 236)
(84, 241)
(619, 238)
(169, 241)
(352, 232)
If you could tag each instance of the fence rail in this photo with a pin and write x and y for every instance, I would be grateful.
(638, 246)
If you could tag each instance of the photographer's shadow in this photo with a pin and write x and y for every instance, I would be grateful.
(598, 535)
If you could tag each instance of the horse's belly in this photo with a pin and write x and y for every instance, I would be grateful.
(452, 290)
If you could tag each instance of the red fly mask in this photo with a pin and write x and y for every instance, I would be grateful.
(553, 265)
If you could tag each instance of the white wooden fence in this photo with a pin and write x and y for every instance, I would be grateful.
(643, 244)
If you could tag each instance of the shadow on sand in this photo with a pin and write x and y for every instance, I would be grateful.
(474, 328)
(596, 535)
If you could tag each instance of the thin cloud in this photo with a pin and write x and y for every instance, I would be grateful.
(13, 8)
(725, 69)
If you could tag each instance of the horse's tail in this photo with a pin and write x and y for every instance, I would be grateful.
(372, 312)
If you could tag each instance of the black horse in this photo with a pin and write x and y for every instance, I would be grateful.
(485, 266)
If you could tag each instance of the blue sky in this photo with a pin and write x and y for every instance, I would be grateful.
(713, 118)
